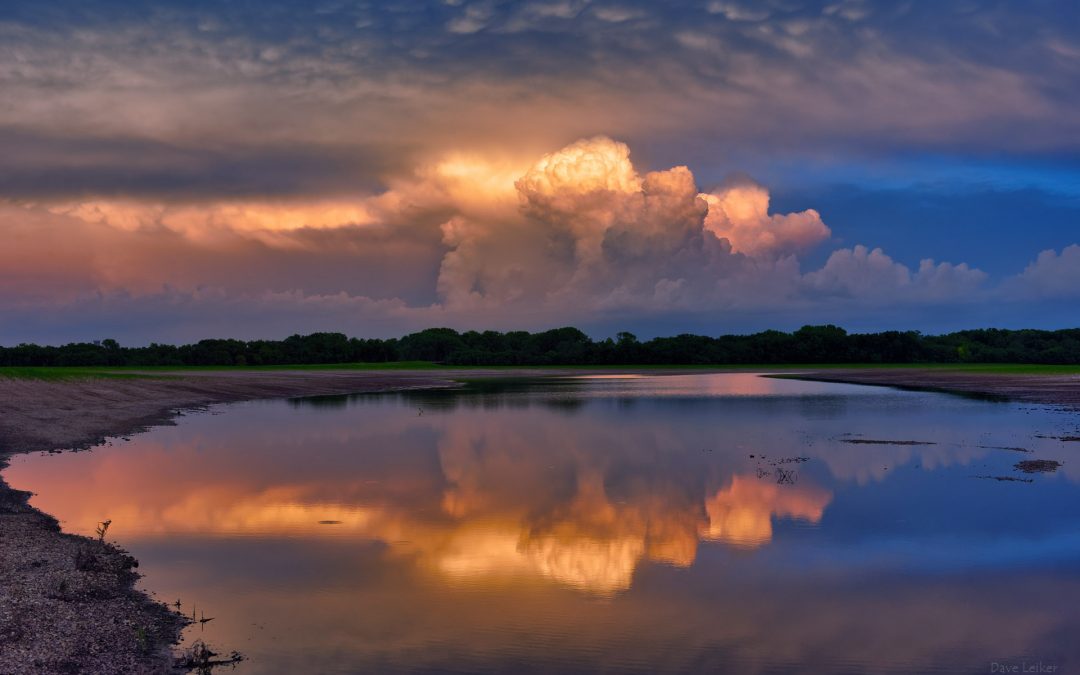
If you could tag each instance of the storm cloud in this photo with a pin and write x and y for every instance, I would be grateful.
(579, 235)
(169, 166)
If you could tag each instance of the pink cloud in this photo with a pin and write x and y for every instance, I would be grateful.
(1051, 274)
(466, 239)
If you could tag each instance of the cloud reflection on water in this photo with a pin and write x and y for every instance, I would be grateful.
(630, 524)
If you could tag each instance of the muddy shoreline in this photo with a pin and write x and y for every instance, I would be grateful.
(1057, 390)
(68, 603)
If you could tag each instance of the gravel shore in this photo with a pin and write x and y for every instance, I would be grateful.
(68, 603)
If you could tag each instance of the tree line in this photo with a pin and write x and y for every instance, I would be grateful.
(570, 346)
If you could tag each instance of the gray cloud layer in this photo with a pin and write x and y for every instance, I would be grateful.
(280, 96)
(180, 169)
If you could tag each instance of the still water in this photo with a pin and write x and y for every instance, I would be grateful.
(688, 523)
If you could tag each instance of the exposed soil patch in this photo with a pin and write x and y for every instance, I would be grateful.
(67, 603)
(1038, 465)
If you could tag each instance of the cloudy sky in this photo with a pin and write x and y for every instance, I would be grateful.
(174, 170)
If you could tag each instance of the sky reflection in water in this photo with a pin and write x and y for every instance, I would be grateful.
(669, 523)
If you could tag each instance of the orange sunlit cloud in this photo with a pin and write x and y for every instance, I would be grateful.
(586, 191)
(463, 236)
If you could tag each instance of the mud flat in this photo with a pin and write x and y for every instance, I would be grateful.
(1062, 390)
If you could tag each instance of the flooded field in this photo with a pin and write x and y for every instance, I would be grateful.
(684, 523)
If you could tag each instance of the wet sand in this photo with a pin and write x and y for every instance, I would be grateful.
(68, 603)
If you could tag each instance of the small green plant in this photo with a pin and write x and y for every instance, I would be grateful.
(102, 528)
(142, 639)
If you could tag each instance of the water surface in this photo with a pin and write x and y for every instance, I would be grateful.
(689, 523)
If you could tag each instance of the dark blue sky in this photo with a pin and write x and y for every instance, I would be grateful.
(995, 227)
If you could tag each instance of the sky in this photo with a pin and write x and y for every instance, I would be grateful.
(177, 170)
